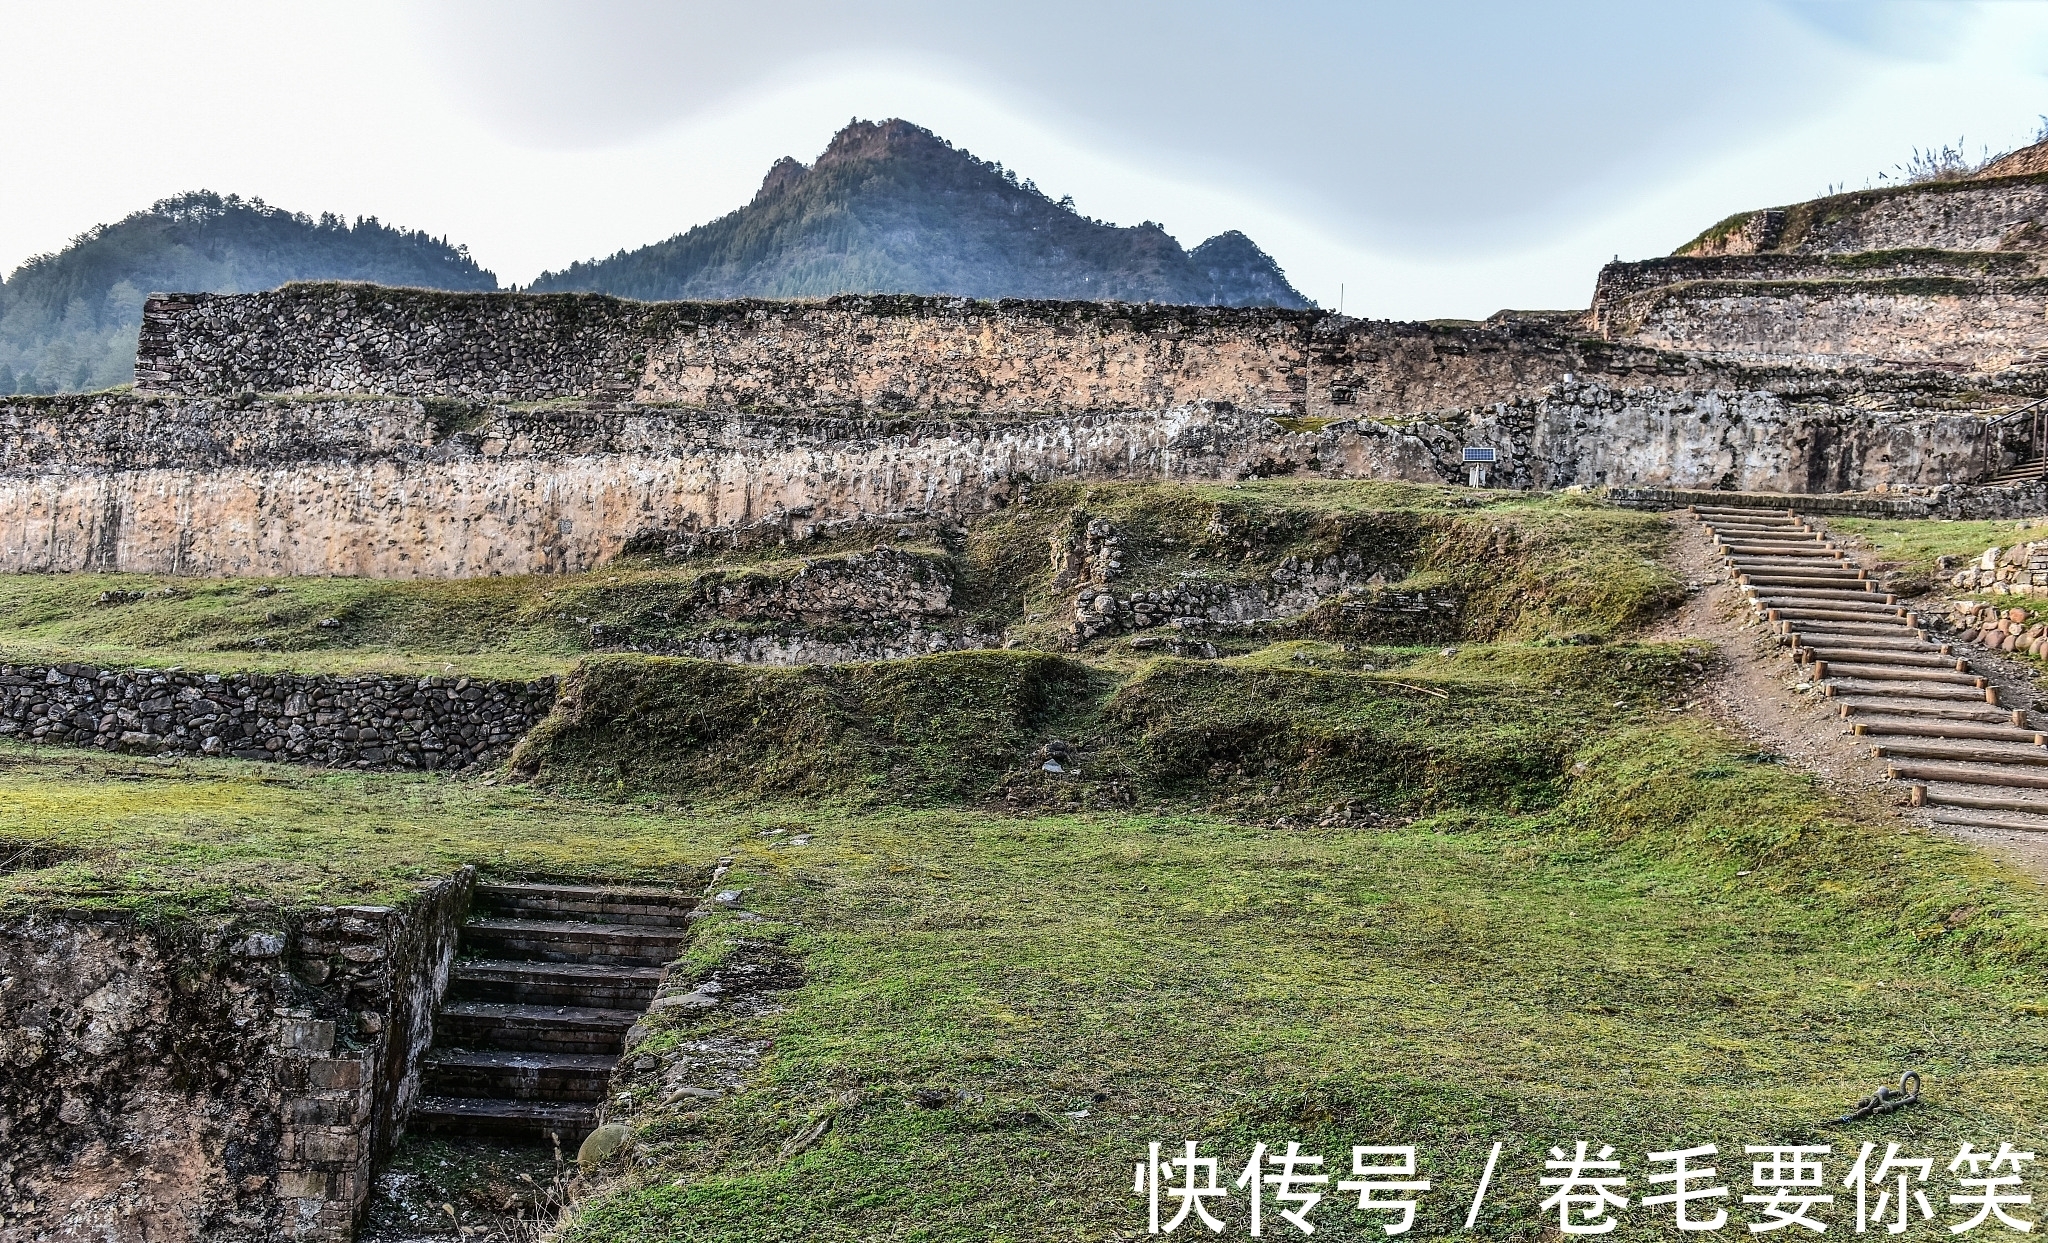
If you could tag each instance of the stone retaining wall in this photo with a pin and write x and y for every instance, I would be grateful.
(1620, 281)
(231, 1079)
(1936, 322)
(363, 721)
(378, 489)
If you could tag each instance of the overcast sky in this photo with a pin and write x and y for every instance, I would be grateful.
(1433, 159)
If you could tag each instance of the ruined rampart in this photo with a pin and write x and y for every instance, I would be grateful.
(384, 488)
(1619, 282)
(866, 355)
(1926, 323)
(1993, 214)
(255, 1067)
(351, 429)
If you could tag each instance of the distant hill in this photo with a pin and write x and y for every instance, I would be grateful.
(68, 321)
(892, 208)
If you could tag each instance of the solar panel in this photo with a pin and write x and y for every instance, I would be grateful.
(1475, 454)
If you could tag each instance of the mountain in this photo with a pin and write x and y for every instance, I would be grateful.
(892, 208)
(68, 321)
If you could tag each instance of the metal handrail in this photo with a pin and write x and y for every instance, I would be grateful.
(2037, 435)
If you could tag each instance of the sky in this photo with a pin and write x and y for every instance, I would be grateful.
(1409, 160)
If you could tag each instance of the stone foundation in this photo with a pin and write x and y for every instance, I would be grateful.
(226, 1080)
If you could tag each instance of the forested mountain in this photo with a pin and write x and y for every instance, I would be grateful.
(888, 208)
(68, 321)
(892, 208)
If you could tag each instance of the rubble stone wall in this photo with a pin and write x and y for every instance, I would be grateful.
(1620, 281)
(868, 354)
(364, 721)
(229, 1080)
(1961, 325)
(378, 488)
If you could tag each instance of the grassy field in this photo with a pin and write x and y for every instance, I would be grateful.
(1328, 892)
(1913, 547)
(997, 1014)
(1529, 567)
(168, 839)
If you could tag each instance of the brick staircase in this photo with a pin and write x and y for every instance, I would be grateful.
(547, 980)
(1935, 722)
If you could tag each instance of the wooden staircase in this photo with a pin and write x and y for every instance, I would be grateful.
(1935, 722)
(546, 983)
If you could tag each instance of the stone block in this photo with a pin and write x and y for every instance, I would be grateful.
(303, 1184)
(335, 1074)
(330, 1149)
(307, 1036)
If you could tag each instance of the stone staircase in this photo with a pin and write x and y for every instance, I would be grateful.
(2026, 472)
(546, 982)
(1936, 723)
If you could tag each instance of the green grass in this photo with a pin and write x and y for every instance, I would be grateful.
(170, 839)
(1912, 547)
(1257, 735)
(1692, 947)
(1529, 566)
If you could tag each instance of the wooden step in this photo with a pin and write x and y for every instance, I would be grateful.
(1847, 598)
(1899, 657)
(1920, 727)
(551, 940)
(1869, 609)
(1850, 582)
(588, 903)
(1977, 798)
(2025, 754)
(1833, 646)
(1758, 511)
(1897, 629)
(1787, 551)
(2012, 820)
(1858, 705)
(1818, 613)
(1929, 772)
(567, 1121)
(1881, 688)
(1868, 672)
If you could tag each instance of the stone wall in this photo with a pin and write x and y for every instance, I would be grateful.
(1610, 314)
(852, 354)
(1601, 435)
(1930, 323)
(350, 338)
(1995, 214)
(380, 488)
(226, 1080)
(364, 721)
(1956, 215)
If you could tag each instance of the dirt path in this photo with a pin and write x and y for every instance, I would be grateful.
(1762, 693)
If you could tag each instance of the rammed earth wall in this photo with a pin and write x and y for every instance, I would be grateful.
(230, 1080)
(361, 721)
